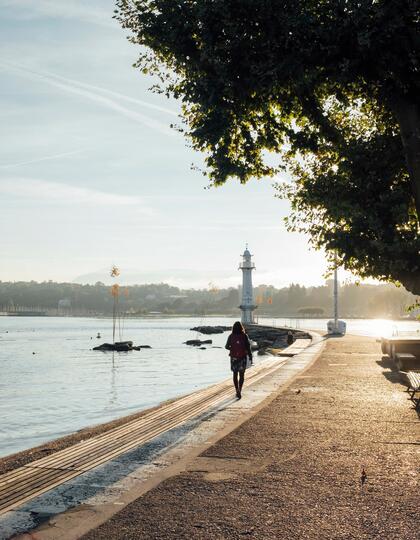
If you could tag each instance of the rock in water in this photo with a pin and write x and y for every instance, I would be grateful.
(198, 342)
(211, 329)
(120, 346)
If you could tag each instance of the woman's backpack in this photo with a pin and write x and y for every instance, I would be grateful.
(238, 348)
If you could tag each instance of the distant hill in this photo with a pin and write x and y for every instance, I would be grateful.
(175, 276)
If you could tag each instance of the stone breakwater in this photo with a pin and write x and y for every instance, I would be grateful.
(211, 329)
(269, 337)
(266, 337)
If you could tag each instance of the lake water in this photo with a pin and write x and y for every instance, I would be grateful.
(66, 386)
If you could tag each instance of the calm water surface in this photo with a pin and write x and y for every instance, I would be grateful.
(66, 386)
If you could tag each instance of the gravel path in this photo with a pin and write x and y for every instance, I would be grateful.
(293, 470)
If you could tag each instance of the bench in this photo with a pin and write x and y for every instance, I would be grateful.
(400, 344)
(413, 378)
(407, 361)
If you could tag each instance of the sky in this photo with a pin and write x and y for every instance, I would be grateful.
(92, 175)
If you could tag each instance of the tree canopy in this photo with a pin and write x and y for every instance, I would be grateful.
(327, 90)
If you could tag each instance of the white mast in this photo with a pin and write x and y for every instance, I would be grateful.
(336, 327)
(247, 305)
(335, 299)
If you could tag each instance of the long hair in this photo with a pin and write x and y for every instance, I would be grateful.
(238, 328)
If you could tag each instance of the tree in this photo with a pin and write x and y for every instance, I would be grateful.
(329, 86)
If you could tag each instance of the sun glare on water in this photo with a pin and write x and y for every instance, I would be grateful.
(380, 327)
(387, 328)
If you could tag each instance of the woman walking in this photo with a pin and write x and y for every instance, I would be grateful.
(239, 351)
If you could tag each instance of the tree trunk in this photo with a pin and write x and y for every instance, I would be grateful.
(408, 116)
(410, 281)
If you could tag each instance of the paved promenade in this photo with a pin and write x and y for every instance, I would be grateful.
(293, 470)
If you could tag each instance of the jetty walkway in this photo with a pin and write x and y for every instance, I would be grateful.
(293, 471)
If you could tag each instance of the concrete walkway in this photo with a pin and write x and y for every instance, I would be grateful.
(293, 470)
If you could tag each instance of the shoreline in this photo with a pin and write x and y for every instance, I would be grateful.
(137, 472)
(24, 457)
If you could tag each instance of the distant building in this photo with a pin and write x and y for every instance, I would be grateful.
(247, 304)
(64, 306)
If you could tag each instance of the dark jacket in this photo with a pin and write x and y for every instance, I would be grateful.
(247, 344)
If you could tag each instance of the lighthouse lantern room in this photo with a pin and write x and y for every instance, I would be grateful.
(247, 305)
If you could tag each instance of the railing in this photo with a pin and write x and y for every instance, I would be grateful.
(287, 323)
(401, 333)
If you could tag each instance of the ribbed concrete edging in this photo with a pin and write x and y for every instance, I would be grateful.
(72, 524)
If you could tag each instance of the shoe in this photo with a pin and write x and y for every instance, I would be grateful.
(238, 395)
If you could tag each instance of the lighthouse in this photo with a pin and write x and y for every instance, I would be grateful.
(247, 305)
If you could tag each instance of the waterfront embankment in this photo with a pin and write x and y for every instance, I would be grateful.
(102, 490)
(265, 336)
(294, 469)
(66, 386)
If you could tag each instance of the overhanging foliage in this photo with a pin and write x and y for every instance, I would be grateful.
(330, 86)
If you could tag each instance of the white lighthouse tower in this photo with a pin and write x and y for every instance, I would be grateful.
(247, 305)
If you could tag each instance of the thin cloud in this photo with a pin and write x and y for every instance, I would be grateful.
(103, 90)
(67, 9)
(36, 160)
(97, 98)
(43, 190)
